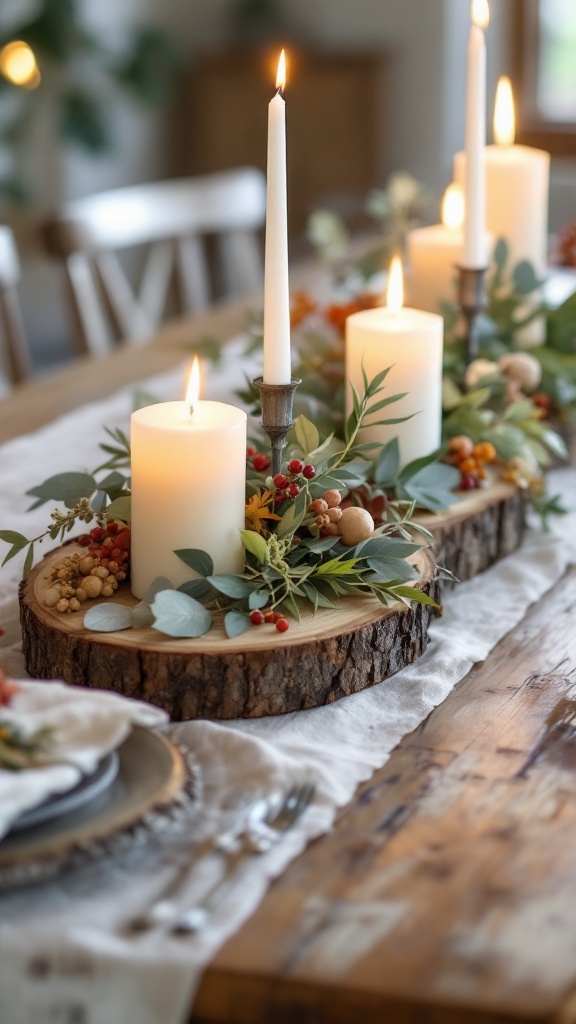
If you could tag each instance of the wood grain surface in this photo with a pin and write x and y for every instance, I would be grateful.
(446, 892)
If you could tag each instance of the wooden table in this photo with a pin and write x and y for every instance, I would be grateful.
(446, 891)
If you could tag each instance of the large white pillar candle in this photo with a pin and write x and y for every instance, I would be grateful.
(517, 181)
(474, 249)
(188, 489)
(409, 341)
(277, 368)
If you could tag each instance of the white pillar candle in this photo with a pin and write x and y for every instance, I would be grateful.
(277, 368)
(409, 341)
(434, 253)
(517, 181)
(474, 251)
(188, 489)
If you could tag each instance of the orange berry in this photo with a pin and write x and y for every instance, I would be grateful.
(484, 452)
(468, 466)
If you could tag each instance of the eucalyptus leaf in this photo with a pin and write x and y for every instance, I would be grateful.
(28, 561)
(196, 559)
(232, 586)
(236, 623)
(392, 569)
(120, 509)
(178, 615)
(157, 585)
(525, 278)
(387, 463)
(17, 542)
(385, 547)
(307, 435)
(142, 615)
(112, 484)
(199, 589)
(256, 545)
(108, 617)
(258, 599)
(68, 488)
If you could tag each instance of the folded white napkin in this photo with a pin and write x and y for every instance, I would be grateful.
(86, 725)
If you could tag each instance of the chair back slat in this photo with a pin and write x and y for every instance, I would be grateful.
(170, 219)
(13, 346)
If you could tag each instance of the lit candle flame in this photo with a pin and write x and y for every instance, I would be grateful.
(395, 289)
(453, 207)
(193, 386)
(281, 73)
(18, 65)
(504, 118)
(480, 13)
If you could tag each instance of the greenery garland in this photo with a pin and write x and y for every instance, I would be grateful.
(295, 554)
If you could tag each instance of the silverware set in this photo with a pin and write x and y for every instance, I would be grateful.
(254, 829)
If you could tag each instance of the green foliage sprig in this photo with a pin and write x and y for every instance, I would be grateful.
(20, 750)
(87, 497)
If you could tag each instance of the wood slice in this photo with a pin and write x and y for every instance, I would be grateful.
(484, 526)
(335, 653)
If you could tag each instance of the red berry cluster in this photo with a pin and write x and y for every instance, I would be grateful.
(288, 485)
(109, 543)
(258, 618)
(258, 460)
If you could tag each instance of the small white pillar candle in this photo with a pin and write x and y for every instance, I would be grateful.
(474, 250)
(277, 369)
(409, 341)
(517, 182)
(434, 253)
(188, 488)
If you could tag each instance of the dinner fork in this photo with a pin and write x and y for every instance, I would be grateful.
(260, 837)
(243, 812)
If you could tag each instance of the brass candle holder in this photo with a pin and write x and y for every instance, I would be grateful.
(277, 401)
(472, 300)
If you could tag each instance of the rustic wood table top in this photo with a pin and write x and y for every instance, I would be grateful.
(446, 891)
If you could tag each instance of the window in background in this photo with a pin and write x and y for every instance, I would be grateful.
(556, 67)
(545, 32)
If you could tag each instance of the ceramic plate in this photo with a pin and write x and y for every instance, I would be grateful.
(87, 789)
(151, 776)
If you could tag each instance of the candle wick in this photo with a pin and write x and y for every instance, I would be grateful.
(191, 410)
(279, 92)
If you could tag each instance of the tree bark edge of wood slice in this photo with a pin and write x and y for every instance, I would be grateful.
(484, 526)
(261, 673)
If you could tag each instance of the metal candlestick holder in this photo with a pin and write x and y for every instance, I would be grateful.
(277, 400)
(472, 301)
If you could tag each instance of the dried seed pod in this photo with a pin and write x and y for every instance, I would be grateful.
(63, 605)
(318, 506)
(334, 514)
(80, 594)
(100, 571)
(356, 524)
(51, 597)
(92, 585)
(74, 604)
(86, 564)
(332, 498)
(107, 590)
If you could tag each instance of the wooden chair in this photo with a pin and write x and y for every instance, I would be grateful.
(13, 348)
(171, 219)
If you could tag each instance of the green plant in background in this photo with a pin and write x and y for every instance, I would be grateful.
(52, 66)
(397, 208)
